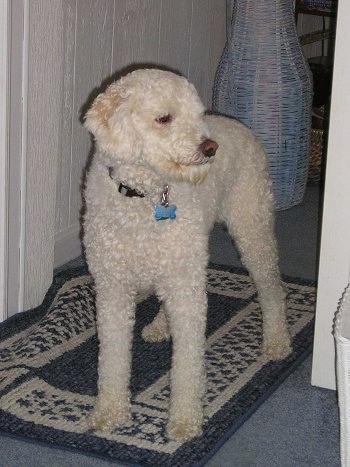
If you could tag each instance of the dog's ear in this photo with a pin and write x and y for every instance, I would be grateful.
(109, 120)
(103, 107)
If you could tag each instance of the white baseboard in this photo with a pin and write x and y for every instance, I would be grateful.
(67, 245)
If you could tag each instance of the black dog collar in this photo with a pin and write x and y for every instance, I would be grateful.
(129, 192)
(124, 189)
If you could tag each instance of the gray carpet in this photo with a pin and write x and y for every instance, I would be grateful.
(296, 426)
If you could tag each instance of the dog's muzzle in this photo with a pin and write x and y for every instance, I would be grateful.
(208, 147)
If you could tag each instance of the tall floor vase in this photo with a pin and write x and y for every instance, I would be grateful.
(264, 80)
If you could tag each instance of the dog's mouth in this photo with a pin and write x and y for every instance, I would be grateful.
(196, 161)
(195, 167)
(194, 171)
(206, 160)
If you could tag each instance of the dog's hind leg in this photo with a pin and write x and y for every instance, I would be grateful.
(115, 320)
(249, 214)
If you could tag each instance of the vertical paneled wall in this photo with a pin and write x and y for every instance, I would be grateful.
(41, 142)
(101, 37)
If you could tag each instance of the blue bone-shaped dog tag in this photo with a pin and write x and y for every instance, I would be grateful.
(164, 212)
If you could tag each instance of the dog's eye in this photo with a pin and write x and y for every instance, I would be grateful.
(164, 119)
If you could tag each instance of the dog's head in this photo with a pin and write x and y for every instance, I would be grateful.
(153, 118)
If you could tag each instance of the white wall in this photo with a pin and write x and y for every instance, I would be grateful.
(44, 99)
(103, 36)
(335, 242)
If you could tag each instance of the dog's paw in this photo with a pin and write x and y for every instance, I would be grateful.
(184, 429)
(157, 330)
(277, 347)
(108, 418)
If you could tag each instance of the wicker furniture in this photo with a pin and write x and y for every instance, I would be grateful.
(264, 81)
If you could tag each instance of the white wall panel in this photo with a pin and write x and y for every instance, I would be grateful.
(87, 36)
(175, 34)
(66, 116)
(208, 36)
(93, 50)
(136, 33)
(43, 133)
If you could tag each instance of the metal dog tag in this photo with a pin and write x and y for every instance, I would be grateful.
(164, 210)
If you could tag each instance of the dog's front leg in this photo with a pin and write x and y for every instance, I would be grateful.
(115, 319)
(187, 309)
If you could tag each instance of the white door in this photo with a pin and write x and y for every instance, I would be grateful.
(335, 241)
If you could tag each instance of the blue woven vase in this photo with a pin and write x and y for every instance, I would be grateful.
(264, 80)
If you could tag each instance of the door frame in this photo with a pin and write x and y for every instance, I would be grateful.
(13, 111)
(4, 153)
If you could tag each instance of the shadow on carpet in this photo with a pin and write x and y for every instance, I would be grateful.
(48, 369)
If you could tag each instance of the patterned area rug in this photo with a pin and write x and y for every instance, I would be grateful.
(48, 360)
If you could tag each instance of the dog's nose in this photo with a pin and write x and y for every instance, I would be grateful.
(208, 147)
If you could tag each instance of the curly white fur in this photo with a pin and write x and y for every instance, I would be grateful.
(150, 128)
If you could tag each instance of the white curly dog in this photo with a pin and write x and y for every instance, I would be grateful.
(163, 172)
